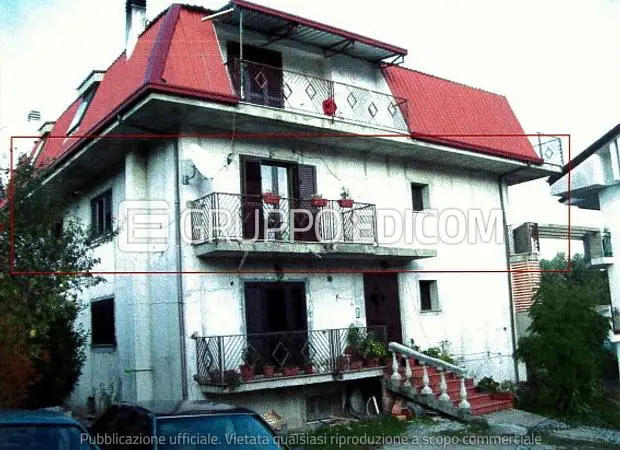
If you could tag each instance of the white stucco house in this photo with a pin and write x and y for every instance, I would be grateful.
(229, 123)
(592, 181)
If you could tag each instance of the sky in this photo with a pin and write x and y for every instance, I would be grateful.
(557, 61)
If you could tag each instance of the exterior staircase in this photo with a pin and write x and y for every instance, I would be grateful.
(437, 385)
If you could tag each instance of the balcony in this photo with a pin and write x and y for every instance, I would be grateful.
(264, 85)
(247, 362)
(550, 150)
(598, 250)
(229, 225)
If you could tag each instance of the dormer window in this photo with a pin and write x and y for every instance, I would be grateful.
(79, 114)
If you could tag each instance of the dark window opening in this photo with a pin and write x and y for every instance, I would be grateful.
(81, 111)
(419, 196)
(277, 322)
(261, 70)
(57, 229)
(294, 183)
(428, 296)
(102, 322)
(101, 214)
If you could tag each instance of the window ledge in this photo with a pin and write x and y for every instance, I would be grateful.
(101, 348)
(431, 311)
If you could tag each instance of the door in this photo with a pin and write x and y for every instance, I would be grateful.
(262, 77)
(277, 322)
(383, 304)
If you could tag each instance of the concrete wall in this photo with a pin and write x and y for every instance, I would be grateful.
(610, 207)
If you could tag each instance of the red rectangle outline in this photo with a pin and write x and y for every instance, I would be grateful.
(271, 136)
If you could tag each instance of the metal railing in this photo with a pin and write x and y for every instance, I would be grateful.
(272, 86)
(550, 150)
(222, 216)
(230, 359)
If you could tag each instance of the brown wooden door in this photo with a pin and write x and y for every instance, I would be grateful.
(383, 304)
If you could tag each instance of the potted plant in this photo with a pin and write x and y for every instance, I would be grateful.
(308, 368)
(232, 379)
(270, 198)
(318, 201)
(504, 391)
(246, 369)
(374, 350)
(290, 371)
(269, 370)
(345, 198)
(355, 339)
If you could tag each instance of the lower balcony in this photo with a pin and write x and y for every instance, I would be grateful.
(230, 225)
(258, 361)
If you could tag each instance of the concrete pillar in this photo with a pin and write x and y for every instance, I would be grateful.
(136, 189)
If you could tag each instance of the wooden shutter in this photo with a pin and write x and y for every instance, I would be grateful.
(306, 187)
(306, 181)
(251, 197)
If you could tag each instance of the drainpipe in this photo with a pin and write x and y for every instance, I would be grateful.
(513, 318)
(179, 269)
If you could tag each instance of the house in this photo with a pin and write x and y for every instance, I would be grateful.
(223, 127)
(591, 181)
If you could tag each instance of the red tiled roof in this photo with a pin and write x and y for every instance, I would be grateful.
(177, 53)
(438, 108)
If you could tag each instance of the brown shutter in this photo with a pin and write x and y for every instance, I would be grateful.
(251, 200)
(306, 187)
(307, 181)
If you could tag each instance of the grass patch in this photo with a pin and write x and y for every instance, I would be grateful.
(362, 435)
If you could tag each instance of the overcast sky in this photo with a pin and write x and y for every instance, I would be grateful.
(557, 61)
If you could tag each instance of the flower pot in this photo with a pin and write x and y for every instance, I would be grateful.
(356, 365)
(246, 372)
(271, 199)
(290, 371)
(344, 362)
(346, 202)
(318, 202)
(269, 371)
(372, 362)
(309, 369)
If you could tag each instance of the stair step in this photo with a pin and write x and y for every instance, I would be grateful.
(490, 406)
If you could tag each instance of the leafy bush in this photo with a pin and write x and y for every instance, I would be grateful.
(564, 351)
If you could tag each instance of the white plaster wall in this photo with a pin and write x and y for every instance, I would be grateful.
(610, 208)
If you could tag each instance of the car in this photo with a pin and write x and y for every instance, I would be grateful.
(183, 425)
(42, 430)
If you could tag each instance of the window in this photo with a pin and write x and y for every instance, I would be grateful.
(79, 114)
(102, 322)
(101, 214)
(429, 300)
(419, 196)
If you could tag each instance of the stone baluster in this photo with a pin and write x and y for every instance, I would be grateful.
(443, 386)
(464, 404)
(395, 375)
(409, 385)
(426, 390)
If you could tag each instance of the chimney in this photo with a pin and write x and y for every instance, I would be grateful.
(135, 22)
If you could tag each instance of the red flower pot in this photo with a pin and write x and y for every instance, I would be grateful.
(502, 396)
(345, 202)
(309, 369)
(271, 199)
(246, 372)
(356, 365)
(269, 371)
(290, 371)
(318, 202)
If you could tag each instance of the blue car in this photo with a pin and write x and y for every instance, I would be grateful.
(41, 430)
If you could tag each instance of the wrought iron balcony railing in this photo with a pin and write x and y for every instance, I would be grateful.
(271, 86)
(233, 359)
(550, 150)
(235, 217)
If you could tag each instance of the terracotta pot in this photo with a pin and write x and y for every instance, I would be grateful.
(502, 396)
(246, 372)
(309, 369)
(271, 199)
(356, 365)
(318, 202)
(290, 371)
(269, 371)
(345, 202)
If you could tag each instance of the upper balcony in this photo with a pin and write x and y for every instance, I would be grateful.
(230, 225)
(265, 85)
(550, 149)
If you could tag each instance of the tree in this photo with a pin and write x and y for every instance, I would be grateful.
(39, 311)
(564, 351)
